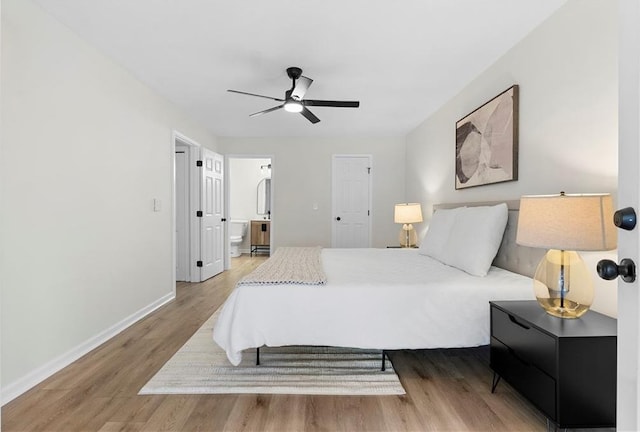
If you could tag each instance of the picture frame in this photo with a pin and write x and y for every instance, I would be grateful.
(487, 142)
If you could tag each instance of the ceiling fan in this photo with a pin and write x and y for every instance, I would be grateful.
(293, 98)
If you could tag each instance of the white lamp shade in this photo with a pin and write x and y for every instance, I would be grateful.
(407, 213)
(567, 222)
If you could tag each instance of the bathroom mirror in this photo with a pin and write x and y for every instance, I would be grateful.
(264, 197)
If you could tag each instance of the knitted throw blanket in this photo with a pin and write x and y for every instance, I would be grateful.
(289, 265)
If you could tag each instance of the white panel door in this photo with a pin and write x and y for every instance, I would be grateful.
(351, 189)
(212, 207)
(628, 398)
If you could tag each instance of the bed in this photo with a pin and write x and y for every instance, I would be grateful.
(387, 298)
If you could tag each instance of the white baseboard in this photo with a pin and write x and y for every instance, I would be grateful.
(16, 388)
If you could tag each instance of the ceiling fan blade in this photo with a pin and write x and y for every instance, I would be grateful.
(309, 115)
(327, 103)
(253, 94)
(266, 111)
(302, 85)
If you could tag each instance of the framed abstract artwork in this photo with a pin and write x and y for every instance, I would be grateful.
(487, 142)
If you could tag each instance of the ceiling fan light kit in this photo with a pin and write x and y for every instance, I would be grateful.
(293, 106)
(294, 98)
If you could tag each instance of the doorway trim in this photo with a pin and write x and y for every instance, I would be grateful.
(182, 231)
(227, 197)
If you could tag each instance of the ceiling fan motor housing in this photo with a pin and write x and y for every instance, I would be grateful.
(294, 72)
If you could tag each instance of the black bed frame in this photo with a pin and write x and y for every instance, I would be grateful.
(382, 368)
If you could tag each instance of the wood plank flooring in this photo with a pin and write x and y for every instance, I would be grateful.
(447, 390)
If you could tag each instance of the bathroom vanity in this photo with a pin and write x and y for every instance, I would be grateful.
(260, 236)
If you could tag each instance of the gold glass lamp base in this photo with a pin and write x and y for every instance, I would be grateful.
(563, 285)
(408, 237)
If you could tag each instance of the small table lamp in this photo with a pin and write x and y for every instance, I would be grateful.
(563, 224)
(408, 214)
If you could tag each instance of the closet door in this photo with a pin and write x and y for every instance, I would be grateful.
(351, 192)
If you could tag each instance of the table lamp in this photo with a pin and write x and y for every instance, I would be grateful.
(408, 214)
(564, 224)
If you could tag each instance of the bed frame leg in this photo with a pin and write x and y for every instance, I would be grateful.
(384, 365)
(258, 356)
(495, 381)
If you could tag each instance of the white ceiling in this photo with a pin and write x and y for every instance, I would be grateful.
(401, 59)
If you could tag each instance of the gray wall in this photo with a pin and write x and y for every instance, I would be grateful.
(567, 70)
(302, 177)
(86, 148)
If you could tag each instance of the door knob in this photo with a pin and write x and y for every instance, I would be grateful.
(338, 218)
(625, 218)
(609, 270)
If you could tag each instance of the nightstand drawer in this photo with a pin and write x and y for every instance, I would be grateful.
(528, 343)
(530, 381)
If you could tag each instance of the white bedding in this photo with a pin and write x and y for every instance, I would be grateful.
(373, 298)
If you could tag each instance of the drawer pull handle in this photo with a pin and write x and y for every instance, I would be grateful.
(515, 321)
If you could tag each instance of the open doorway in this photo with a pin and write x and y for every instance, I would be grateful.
(250, 198)
(186, 199)
(198, 210)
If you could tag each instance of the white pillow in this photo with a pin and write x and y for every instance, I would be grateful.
(475, 238)
(435, 241)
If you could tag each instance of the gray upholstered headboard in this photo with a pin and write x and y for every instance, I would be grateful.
(512, 257)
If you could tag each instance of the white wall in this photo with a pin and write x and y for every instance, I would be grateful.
(567, 73)
(302, 177)
(244, 174)
(86, 149)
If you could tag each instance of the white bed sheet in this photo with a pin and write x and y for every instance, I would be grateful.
(373, 298)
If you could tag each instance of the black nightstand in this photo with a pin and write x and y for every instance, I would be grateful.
(565, 367)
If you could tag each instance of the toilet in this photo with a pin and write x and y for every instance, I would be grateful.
(238, 231)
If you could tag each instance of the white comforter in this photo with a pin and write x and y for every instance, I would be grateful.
(373, 298)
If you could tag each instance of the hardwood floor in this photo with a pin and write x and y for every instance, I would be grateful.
(447, 390)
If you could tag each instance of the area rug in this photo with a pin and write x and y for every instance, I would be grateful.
(201, 367)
